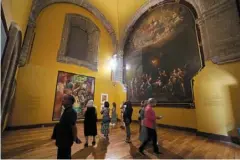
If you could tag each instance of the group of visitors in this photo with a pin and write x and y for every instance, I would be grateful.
(65, 132)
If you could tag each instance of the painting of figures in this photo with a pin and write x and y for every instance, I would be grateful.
(79, 86)
(162, 56)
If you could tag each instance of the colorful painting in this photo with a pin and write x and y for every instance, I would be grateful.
(163, 56)
(80, 86)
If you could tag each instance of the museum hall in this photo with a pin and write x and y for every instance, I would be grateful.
(120, 79)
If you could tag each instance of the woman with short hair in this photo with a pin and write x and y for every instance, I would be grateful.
(90, 122)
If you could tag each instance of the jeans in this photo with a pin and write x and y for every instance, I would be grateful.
(64, 153)
(152, 135)
(128, 131)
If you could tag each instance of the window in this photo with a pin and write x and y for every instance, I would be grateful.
(79, 45)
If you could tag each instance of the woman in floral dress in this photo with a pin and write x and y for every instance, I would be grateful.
(106, 120)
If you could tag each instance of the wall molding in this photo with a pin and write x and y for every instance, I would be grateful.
(39, 5)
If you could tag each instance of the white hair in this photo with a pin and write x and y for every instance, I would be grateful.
(90, 103)
(152, 101)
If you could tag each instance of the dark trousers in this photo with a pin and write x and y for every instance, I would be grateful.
(128, 131)
(152, 135)
(64, 153)
(140, 126)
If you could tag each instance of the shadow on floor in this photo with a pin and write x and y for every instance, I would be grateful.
(83, 153)
(98, 152)
(135, 154)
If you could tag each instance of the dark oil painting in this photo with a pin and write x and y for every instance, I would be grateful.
(162, 56)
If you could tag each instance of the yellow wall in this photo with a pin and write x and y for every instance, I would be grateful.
(173, 116)
(216, 87)
(217, 98)
(37, 80)
(17, 11)
(126, 10)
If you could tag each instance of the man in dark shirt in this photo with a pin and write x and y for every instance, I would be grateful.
(127, 117)
(66, 129)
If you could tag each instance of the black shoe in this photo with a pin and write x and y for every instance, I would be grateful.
(141, 151)
(157, 152)
(86, 145)
(93, 143)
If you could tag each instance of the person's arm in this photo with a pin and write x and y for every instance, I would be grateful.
(74, 126)
(102, 111)
(74, 131)
(125, 113)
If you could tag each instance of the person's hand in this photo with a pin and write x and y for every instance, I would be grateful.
(159, 117)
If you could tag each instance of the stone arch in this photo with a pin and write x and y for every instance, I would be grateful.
(39, 5)
(191, 4)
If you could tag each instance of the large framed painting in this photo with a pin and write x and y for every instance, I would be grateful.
(80, 86)
(163, 56)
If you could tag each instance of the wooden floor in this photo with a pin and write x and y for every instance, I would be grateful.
(36, 144)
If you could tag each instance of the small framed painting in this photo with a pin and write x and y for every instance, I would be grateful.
(104, 98)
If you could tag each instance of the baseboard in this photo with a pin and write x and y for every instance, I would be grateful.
(212, 136)
(193, 130)
(218, 137)
(10, 128)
